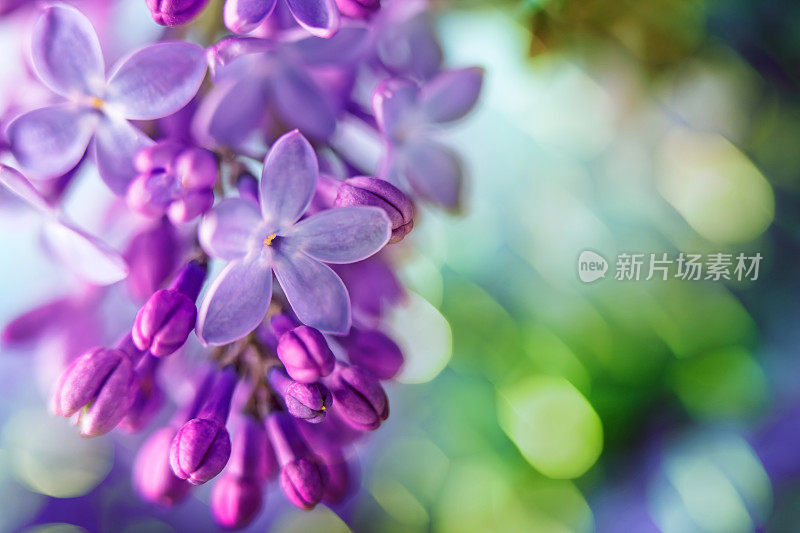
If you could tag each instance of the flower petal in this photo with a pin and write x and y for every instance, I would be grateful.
(116, 143)
(49, 141)
(452, 94)
(243, 16)
(236, 301)
(302, 104)
(433, 171)
(156, 80)
(343, 235)
(227, 231)
(66, 53)
(288, 180)
(316, 294)
(394, 102)
(84, 254)
(319, 17)
(230, 113)
(20, 186)
(345, 47)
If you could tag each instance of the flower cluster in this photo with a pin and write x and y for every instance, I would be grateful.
(341, 101)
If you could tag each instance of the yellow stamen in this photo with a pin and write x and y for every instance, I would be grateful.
(269, 239)
(96, 103)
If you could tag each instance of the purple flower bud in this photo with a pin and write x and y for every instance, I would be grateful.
(305, 354)
(173, 178)
(252, 454)
(362, 190)
(99, 384)
(306, 401)
(358, 8)
(303, 475)
(374, 351)
(235, 501)
(153, 478)
(340, 477)
(201, 447)
(360, 399)
(148, 397)
(175, 12)
(281, 323)
(151, 256)
(164, 323)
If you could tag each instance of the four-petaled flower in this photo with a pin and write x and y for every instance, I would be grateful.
(407, 115)
(259, 242)
(153, 82)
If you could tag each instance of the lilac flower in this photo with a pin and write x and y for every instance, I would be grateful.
(238, 496)
(319, 17)
(202, 446)
(174, 179)
(164, 323)
(374, 351)
(305, 354)
(274, 76)
(99, 386)
(406, 43)
(175, 12)
(258, 243)
(362, 190)
(302, 475)
(407, 115)
(153, 478)
(152, 255)
(359, 397)
(305, 401)
(372, 286)
(148, 397)
(81, 252)
(153, 82)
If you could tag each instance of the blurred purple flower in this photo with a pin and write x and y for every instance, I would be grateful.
(408, 115)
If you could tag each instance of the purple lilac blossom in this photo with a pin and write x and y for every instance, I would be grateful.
(258, 243)
(153, 82)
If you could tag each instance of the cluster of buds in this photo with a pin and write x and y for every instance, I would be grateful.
(291, 329)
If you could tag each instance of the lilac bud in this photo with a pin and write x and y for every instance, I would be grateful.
(374, 351)
(306, 401)
(252, 455)
(197, 168)
(201, 447)
(340, 478)
(281, 323)
(235, 501)
(360, 399)
(153, 478)
(99, 384)
(358, 8)
(151, 256)
(366, 191)
(164, 323)
(302, 475)
(305, 354)
(175, 12)
(148, 397)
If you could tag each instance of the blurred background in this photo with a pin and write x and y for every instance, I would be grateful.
(531, 401)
